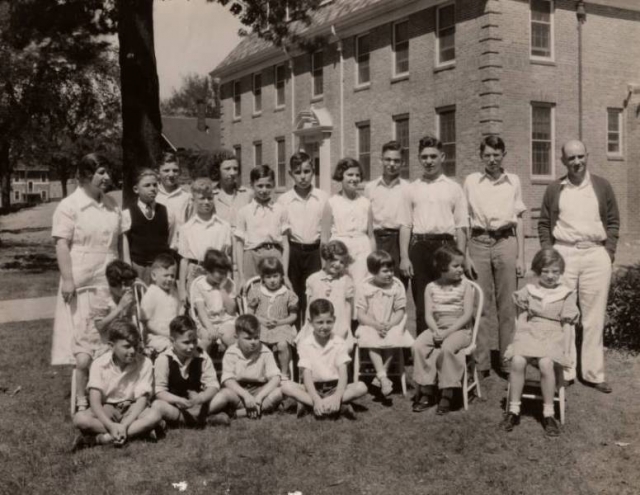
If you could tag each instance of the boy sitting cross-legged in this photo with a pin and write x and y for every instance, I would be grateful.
(186, 380)
(250, 375)
(323, 361)
(120, 384)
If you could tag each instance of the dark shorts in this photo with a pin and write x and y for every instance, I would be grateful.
(325, 389)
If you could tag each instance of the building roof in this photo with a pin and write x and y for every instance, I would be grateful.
(183, 133)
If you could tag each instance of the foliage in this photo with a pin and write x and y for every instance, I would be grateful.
(622, 330)
(195, 89)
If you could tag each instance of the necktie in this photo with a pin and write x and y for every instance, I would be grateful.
(149, 212)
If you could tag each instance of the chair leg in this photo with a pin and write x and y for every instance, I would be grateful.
(401, 370)
(476, 380)
(73, 392)
(562, 404)
(356, 363)
(465, 388)
(506, 402)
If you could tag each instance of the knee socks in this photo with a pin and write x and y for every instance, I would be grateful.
(514, 407)
(548, 410)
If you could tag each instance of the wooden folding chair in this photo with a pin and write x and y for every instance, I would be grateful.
(470, 368)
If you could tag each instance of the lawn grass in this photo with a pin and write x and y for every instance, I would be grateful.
(387, 450)
(18, 284)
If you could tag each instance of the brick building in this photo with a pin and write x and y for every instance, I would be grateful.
(528, 70)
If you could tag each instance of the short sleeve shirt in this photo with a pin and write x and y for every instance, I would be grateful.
(119, 385)
(382, 302)
(196, 236)
(259, 368)
(208, 379)
(323, 361)
(258, 224)
(493, 204)
(159, 308)
(304, 215)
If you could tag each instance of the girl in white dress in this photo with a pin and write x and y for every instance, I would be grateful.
(347, 218)
(87, 231)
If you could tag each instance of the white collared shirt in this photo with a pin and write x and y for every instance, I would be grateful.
(228, 205)
(493, 204)
(323, 361)
(579, 216)
(259, 223)
(436, 207)
(259, 368)
(387, 203)
(304, 215)
(117, 384)
(198, 235)
(176, 203)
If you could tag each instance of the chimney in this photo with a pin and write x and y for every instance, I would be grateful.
(201, 114)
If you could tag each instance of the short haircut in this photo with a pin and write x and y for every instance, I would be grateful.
(123, 329)
(494, 142)
(203, 186)
(118, 272)
(248, 324)
(378, 260)
(333, 249)
(207, 163)
(261, 172)
(345, 164)
(270, 266)
(89, 164)
(391, 146)
(181, 325)
(546, 257)
(216, 260)
(443, 257)
(144, 172)
(429, 142)
(297, 159)
(320, 307)
(168, 157)
(163, 260)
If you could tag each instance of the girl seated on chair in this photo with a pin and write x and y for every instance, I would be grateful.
(448, 305)
(213, 301)
(276, 307)
(381, 306)
(546, 312)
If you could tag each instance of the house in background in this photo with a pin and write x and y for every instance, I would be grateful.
(536, 72)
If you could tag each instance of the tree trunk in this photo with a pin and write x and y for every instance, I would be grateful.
(63, 185)
(5, 174)
(141, 123)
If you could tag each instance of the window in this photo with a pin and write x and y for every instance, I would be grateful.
(257, 153)
(280, 79)
(446, 38)
(257, 93)
(237, 150)
(317, 82)
(363, 74)
(16, 195)
(237, 100)
(281, 163)
(447, 133)
(401, 48)
(364, 148)
(542, 140)
(542, 29)
(401, 134)
(43, 195)
(614, 131)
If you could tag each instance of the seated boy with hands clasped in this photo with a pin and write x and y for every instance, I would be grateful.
(323, 361)
(120, 385)
(250, 375)
(186, 380)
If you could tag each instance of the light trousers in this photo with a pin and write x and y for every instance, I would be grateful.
(445, 364)
(588, 271)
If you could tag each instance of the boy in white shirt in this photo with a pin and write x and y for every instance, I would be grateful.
(170, 194)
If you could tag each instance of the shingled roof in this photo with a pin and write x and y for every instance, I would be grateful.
(326, 15)
(183, 133)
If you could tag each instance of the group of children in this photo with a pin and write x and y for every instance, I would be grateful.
(308, 272)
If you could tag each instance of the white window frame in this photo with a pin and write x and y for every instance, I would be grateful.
(440, 63)
(314, 90)
(237, 99)
(360, 83)
(619, 112)
(393, 45)
(405, 172)
(257, 144)
(284, 86)
(439, 113)
(257, 93)
(281, 141)
(552, 55)
(552, 154)
(359, 126)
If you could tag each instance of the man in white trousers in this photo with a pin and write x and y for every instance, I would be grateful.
(579, 218)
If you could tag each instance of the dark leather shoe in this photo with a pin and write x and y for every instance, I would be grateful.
(551, 427)
(510, 421)
(603, 387)
(423, 403)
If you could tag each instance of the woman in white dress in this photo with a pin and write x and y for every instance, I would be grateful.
(87, 231)
(347, 218)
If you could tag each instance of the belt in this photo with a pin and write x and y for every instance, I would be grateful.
(268, 245)
(496, 234)
(314, 246)
(193, 261)
(432, 237)
(580, 244)
(386, 232)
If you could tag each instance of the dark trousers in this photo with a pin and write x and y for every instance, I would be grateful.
(304, 260)
(421, 255)
(389, 240)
